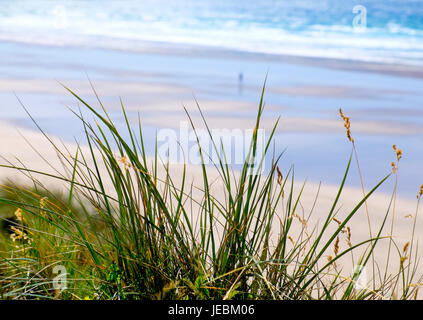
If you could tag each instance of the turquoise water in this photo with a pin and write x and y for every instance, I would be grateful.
(394, 32)
(80, 33)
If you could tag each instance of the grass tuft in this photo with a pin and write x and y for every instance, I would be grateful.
(128, 227)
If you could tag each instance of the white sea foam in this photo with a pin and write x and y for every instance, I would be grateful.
(106, 24)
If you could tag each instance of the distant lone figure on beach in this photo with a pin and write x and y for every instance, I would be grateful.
(240, 82)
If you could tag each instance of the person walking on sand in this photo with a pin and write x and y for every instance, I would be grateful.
(240, 82)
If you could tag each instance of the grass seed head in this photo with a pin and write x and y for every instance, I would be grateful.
(405, 248)
(280, 176)
(398, 152)
(18, 215)
(349, 236)
(18, 234)
(336, 246)
(124, 161)
(347, 125)
(394, 167)
(339, 223)
(403, 259)
(43, 202)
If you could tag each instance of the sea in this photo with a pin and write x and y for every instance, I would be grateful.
(389, 31)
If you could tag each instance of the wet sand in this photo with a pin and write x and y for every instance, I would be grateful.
(384, 102)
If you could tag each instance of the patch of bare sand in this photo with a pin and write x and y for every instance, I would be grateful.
(286, 124)
(159, 110)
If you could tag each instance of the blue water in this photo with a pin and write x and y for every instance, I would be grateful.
(393, 33)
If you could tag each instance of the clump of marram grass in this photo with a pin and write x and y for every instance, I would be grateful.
(139, 233)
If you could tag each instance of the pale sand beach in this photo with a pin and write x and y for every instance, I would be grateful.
(155, 101)
(306, 93)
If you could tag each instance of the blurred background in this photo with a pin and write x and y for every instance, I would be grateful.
(365, 57)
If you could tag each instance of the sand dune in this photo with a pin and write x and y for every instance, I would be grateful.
(14, 145)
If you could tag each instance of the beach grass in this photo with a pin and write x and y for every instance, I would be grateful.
(127, 228)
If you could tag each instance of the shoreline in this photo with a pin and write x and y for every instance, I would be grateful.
(187, 50)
